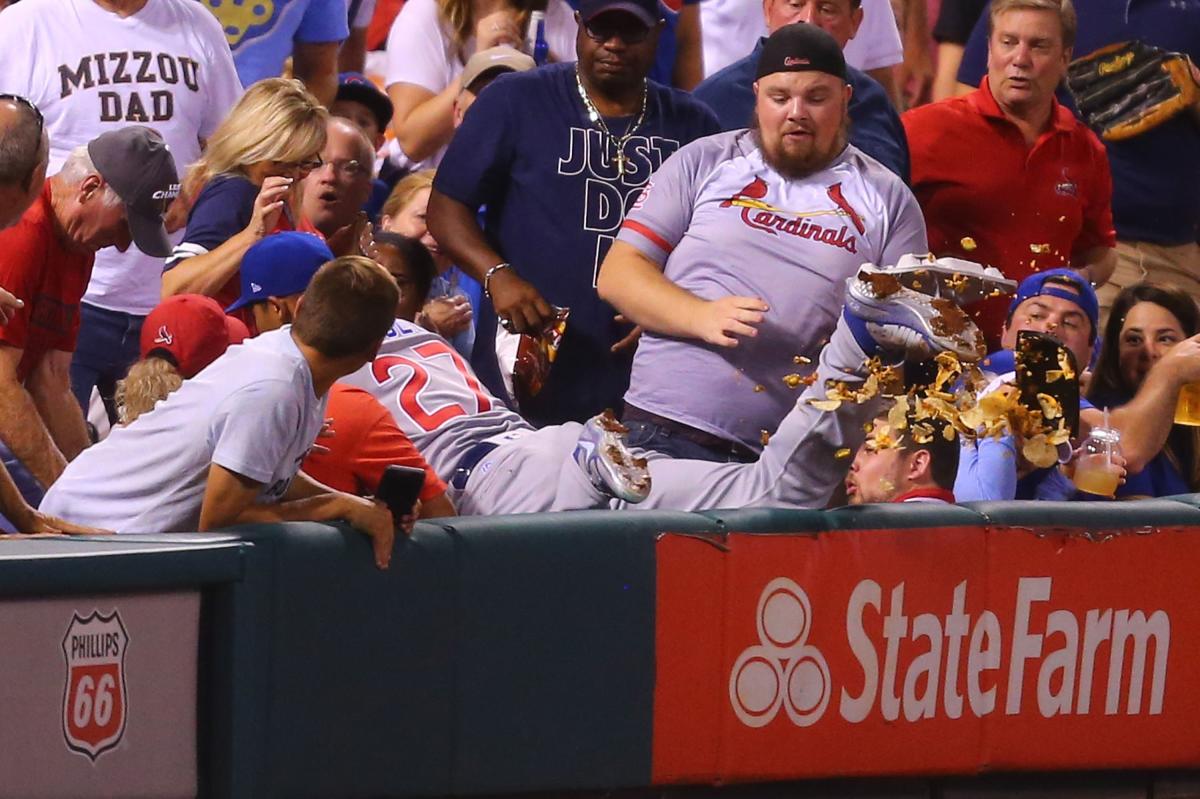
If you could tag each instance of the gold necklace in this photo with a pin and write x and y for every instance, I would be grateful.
(594, 115)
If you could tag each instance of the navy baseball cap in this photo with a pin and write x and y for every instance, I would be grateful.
(358, 88)
(1055, 283)
(281, 265)
(645, 10)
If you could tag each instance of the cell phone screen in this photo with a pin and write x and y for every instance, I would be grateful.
(1045, 366)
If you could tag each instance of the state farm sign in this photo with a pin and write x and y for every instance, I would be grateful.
(949, 651)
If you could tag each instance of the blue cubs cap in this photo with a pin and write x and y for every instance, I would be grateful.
(1051, 283)
(281, 265)
(358, 88)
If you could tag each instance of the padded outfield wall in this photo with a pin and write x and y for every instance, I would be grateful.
(597, 651)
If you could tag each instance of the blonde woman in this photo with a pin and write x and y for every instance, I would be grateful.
(428, 45)
(245, 185)
(449, 311)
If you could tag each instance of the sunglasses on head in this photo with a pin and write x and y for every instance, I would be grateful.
(21, 101)
(41, 126)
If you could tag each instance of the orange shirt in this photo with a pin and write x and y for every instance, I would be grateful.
(37, 266)
(365, 441)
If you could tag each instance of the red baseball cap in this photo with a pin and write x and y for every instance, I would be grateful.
(191, 331)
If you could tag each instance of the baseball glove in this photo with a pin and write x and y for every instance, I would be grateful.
(1126, 89)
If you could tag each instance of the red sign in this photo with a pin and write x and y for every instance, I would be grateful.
(954, 650)
(94, 699)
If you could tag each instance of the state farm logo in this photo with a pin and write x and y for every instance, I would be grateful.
(94, 699)
(896, 664)
(781, 670)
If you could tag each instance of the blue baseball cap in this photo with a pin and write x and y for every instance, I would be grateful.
(1051, 283)
(281, 265)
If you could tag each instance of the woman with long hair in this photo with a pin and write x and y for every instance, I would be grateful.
(449, 310)
(1152, 329)
(428, 46)
(245, 185)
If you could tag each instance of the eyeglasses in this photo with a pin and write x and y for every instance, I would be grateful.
(347, 167)
(310, 165)
(602, 29)
(41, 126)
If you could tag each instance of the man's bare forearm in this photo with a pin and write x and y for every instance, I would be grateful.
(456, 229)
(26, 435)
(63, 417)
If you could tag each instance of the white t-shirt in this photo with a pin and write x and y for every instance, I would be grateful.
(89, 71)
(252, 411)
(421, 48)
(731, 29)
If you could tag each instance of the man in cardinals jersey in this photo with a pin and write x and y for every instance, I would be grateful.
(735, 256)
(497, 463)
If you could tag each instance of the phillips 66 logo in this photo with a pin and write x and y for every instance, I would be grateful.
(94, 698)
(781, 670)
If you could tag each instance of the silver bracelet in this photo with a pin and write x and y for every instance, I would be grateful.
(487, 277)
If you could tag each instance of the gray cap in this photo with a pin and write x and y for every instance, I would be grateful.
(492, 59)
(139, 166)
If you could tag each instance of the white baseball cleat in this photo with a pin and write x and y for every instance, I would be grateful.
(604, 458)
(899, 319)
(962, 282)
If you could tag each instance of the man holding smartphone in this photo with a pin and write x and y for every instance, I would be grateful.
(226, 447)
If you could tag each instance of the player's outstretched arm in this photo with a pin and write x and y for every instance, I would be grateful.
(635, 285)
(229, 498)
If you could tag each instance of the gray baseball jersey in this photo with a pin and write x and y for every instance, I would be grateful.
(438, 402)
(721, 222)
(253, 411)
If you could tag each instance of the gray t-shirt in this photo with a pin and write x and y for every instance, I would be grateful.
(252, 411)
(722, 222)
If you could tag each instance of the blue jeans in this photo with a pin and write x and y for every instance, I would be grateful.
(108, 345)
(651, 436)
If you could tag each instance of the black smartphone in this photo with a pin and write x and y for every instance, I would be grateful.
(1046, 366)
(399, 489)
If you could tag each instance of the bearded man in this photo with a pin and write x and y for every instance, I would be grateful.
(736, 255)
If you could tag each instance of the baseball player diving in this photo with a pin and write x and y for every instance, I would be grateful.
(495, 462)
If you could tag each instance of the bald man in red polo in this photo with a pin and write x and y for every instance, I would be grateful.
(1005, 175)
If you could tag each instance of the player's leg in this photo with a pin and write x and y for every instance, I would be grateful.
(535, 473)
(799, 466)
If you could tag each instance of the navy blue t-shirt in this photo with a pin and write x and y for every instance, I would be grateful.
(555, 203)
(1156, 191)
(875, 127)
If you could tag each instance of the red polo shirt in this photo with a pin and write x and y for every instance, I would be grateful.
(1026, 208)
(37, 266)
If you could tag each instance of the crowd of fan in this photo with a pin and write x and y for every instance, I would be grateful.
(565, 185)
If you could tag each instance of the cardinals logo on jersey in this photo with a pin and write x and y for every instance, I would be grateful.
(760, 215)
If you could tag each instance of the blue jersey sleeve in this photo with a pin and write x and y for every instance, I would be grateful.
(223, 209)
(477, 162)
(324, 21)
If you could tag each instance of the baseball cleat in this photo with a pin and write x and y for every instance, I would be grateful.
(961, 282)
(898, 319)
(604, 458)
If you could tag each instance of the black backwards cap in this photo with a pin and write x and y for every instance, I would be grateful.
(801, 47)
